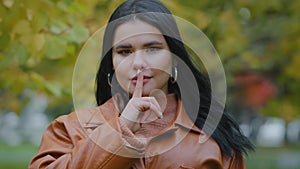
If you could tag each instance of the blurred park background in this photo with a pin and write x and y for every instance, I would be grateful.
(257, 40)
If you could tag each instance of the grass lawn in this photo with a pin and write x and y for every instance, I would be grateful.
(287, 157)
(16, 157)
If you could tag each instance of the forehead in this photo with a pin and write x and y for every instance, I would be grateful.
(136, 30)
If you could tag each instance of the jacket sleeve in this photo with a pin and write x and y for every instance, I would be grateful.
(58, 150)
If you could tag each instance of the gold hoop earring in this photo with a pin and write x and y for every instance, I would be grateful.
(174, 78)
(108, 79)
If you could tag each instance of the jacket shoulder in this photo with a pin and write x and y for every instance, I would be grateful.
(81, 116)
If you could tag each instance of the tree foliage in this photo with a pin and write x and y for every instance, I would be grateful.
(40, 40)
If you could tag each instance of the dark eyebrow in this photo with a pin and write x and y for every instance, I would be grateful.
(123, 46)
(153, 43)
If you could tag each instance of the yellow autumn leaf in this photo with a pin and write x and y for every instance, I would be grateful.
(22, 27)
(292, 70)
(8, 3)
(203, 20)
(287, 111)
(38, 41)
(39, 21)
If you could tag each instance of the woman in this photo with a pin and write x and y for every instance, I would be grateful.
(145, 118)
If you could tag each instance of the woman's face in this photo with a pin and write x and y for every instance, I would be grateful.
(138, 45)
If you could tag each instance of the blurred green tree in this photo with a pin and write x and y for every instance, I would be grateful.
(257, 37)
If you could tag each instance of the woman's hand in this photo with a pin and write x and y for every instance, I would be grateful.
(140, 109)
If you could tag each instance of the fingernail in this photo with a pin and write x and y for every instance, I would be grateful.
(161, 116)
(138, 71)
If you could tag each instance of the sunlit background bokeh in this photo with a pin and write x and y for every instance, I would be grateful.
(257, 40)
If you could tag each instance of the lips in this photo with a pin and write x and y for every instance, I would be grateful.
(146, 78)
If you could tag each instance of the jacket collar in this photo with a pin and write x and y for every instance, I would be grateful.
(184, 120)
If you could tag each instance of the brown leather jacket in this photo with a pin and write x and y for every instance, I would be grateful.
(95, 138)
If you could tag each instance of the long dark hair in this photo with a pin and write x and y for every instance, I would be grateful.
(227, 134)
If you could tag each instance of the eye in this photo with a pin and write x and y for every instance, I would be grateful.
(124, 52)
(152, 49)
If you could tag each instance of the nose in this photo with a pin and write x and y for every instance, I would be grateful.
(139, 61)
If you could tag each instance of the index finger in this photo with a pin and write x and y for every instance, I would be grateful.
(139, 86)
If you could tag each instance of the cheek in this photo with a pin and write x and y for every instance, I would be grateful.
(116, 62)
(121, 71)
(161, 61)
(121, 63)
(164, 62)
